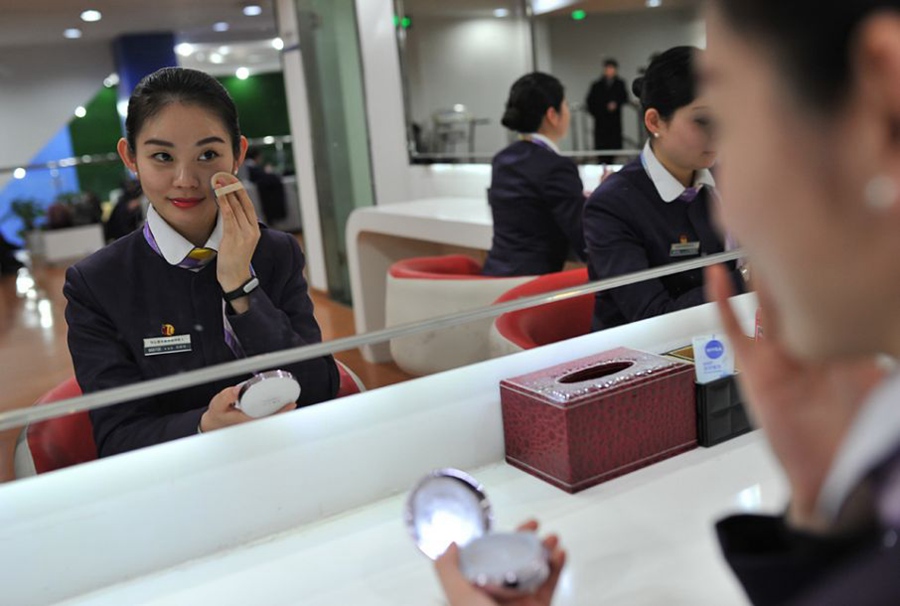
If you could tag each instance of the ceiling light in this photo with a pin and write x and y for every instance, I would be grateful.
(122, 107)
(80, 112)
(185, 49)
(654, 3)
(73, 33)
(216, 58)
(242, 73)
(91, 16)
(501, 12)
(269, 140)
(277, 43)
(20, 173)
(253, 10)
(221, 26)
(224, 50)
(111, 80)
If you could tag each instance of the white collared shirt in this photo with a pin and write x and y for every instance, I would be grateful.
(173, 246)
(873, 436)
(548, 142)
(667, 186)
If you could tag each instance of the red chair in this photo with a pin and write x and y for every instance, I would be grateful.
(62, 441)
(545, 324)
(69, 440)
(430, 287)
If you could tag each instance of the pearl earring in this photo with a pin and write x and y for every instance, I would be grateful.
(656, 135)
(881, 193)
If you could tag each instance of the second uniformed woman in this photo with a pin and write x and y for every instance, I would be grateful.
(657, 209)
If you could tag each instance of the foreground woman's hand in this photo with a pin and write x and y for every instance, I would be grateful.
(460, 592)
(804, 408)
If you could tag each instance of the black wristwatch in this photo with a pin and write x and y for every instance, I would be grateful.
(241, 291)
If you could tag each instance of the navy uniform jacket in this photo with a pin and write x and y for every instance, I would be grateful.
(536, 199)
(126, 292)
(629, 228)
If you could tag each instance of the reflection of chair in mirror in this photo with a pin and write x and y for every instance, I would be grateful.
(59, 442)
(451, 128)
(428, 287)
(69, 440)
(545, 324)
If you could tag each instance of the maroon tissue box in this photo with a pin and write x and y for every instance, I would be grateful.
(587, 421)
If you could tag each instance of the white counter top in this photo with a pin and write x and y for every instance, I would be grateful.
(304, 507)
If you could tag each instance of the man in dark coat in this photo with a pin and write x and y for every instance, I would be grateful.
(604, 102)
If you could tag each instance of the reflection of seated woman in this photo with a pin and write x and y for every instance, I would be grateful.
(656, 210)
(536, 195)
(185, 275)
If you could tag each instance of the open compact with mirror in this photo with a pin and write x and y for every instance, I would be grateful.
(449, 506)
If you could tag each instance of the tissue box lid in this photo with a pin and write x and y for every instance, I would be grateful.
(599, 376)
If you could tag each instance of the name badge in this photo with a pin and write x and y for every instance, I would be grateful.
(685, 249)
(167, 345)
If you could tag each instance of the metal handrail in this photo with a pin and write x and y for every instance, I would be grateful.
(23, 416)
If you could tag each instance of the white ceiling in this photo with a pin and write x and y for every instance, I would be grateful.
(483, 8)
(42, 22)
(247, 43)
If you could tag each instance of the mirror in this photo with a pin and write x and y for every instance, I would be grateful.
(33, 353)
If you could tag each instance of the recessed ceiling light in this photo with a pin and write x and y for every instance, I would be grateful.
(221, 26)
(252, 10)
(111, 80)
(501, 12)
(20, 173)
(224, 49)
(91, 16)
(80, 112)
(654, 3)
(73, 33)
(277, 43)
(242, 73)
(185, 49)
(216, 58)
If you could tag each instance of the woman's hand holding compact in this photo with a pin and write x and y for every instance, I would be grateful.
(223, 413)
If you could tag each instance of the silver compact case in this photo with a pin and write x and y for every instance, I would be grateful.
(449, 506)
(267, 393)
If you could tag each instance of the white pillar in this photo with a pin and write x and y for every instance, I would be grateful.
(298, 113)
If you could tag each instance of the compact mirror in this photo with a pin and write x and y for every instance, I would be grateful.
(267, 393)
(449, 506)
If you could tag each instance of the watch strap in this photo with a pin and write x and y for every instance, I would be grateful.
(241, 291)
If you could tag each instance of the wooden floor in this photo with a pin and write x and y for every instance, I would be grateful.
(34, 356)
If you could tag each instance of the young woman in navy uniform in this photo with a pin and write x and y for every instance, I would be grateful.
(810, 109)
(536, 195)
(658, 209)
(202, 283)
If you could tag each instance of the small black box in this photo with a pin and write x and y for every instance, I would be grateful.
(720, 412)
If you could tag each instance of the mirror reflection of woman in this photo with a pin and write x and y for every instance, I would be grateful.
(536, 195)
(658, 209)
(202, 273)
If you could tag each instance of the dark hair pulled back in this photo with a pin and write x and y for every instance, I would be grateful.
(529, 99)
(811, 41)
(669, 83)
(180, 85)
